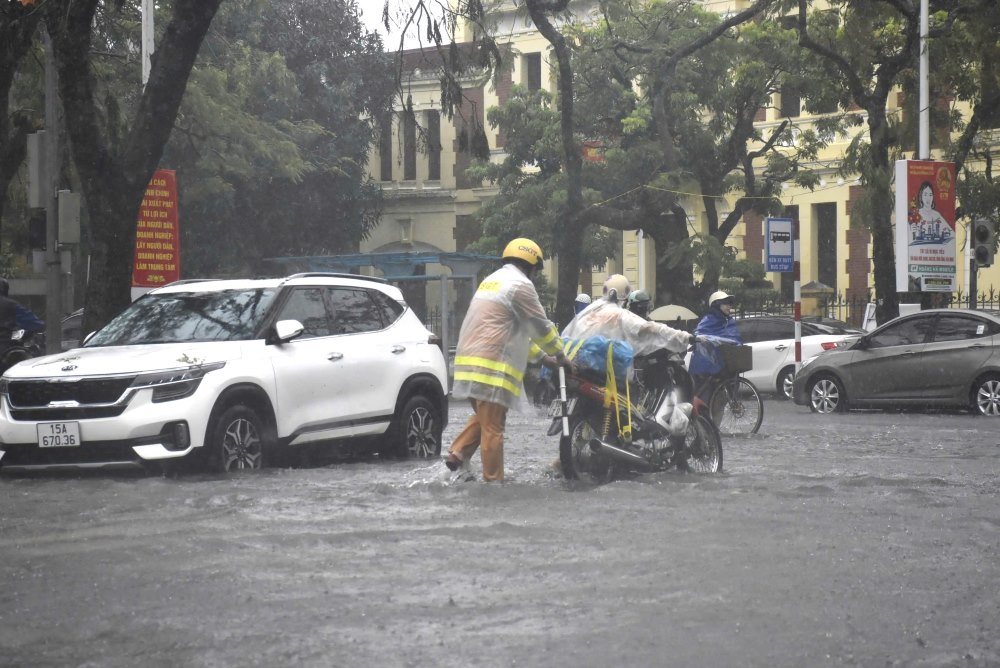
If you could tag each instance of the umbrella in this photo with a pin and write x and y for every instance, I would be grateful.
(672, 312)
(676, 316)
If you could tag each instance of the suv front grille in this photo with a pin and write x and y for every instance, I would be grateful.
(86, 392)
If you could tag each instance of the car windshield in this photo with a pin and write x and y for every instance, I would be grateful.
(227, 315)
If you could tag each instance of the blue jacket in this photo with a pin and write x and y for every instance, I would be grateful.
(28, 321)
(706, 359)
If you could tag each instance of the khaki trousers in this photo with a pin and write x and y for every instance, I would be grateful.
(484, 430)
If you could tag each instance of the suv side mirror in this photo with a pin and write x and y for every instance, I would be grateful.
(284, 331)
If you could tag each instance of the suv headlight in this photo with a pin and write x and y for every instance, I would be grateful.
(175, 383)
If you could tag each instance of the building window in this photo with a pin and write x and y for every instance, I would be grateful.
(532, 77)
(409, 146)
(385, 148)
(791, 102)
(826, 243)
(433, 145)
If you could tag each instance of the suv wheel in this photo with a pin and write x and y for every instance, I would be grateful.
(418, 430)
(236, 440)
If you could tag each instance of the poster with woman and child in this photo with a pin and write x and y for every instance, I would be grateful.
(925, 226)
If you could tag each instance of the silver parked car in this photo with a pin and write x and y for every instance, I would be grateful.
(938, 357)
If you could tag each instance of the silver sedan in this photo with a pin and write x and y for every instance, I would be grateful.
(937, 357)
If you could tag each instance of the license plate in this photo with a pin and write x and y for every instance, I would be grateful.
(555, 408)
(58, 434)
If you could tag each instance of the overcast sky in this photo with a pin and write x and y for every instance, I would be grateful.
(371, 15)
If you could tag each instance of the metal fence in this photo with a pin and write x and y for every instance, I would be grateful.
(433, 322)
(852, 309)
(839, 306)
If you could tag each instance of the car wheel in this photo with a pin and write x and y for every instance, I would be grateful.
(986, 396)
(826, 395)
(236, 441)
(784, 384)
(418, 430)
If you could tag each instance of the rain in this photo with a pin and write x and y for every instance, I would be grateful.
(867, 538)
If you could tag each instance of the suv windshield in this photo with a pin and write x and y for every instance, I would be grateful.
(228, 315)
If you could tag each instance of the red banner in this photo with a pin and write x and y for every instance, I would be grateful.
(157, 235)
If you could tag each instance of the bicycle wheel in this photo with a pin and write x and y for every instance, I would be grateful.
(702, 447)
(736, 407)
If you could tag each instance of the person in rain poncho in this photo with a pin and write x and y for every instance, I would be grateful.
(718, 321)
(606, 317)
(581, 302)
(503, 320)
(639, 302)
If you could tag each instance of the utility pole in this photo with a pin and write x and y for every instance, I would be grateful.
(53, 264)
(925, 104)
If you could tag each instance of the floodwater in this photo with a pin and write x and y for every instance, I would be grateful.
(867, 539)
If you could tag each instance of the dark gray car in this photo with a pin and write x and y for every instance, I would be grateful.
(939, 357)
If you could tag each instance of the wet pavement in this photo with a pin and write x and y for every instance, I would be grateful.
(866, 539)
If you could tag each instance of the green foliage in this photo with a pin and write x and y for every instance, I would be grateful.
(271, 145)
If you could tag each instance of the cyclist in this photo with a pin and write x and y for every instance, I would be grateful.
(706, 360)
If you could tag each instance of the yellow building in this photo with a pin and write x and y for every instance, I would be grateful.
(430, 204)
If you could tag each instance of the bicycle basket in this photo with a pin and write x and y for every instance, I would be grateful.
(736, 359)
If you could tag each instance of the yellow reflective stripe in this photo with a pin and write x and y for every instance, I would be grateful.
(486, 379)
(574, 347)
(493, 365)
(551, 342)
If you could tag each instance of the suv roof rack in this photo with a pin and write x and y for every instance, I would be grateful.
(334, 274)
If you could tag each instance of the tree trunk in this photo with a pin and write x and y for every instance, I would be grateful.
(114, 174)
(570, 242)
(883, 242)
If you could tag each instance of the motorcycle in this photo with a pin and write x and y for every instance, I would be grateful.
(24, 345)
(606, 436)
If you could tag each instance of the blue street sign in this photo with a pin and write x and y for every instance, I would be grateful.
(779, 244)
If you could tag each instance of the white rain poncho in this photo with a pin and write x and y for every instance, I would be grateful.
(504, 318)
(606, 318)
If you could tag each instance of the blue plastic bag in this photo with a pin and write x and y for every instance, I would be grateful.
(592, 353)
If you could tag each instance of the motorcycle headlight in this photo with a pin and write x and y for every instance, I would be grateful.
(175, 383)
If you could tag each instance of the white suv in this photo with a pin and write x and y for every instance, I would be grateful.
(233, 373)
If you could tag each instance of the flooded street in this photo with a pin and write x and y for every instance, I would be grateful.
(866, 539)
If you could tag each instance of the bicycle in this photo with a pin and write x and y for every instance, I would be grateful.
(734, 404)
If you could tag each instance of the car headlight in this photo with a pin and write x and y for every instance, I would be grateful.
(175, 383)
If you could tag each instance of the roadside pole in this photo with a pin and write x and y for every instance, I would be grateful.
(53, 263)
(797, 292)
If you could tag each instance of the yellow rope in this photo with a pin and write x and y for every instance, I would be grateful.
(625, 433)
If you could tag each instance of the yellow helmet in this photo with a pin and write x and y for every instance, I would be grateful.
(524, 249)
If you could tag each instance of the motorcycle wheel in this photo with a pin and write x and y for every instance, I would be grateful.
(702, 447)
(578, 461)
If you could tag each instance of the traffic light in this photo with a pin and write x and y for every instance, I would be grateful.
(984, 237)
